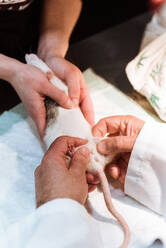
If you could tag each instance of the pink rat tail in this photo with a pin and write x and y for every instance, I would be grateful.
(112, 210)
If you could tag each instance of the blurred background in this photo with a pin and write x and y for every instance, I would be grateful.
(98, 15)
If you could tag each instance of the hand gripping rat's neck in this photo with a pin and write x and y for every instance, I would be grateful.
(71, 122)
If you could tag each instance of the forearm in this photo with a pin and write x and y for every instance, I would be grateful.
(8, 67)
(58, 20)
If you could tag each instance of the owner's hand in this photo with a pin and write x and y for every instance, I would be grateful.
(77, 88)
(55, 179)
(32, 85)
(123, 132)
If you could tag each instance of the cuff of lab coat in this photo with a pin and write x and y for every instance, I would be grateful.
(61, 205)
(147, 163)
(61, 221)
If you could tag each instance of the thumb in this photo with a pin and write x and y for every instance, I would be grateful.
(116, 144)
(80, 161)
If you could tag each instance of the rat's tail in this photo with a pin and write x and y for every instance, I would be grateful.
(108, 200)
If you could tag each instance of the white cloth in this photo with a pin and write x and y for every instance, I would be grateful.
(20, 145)
(65, 223)
(59, 223)
(147, 74)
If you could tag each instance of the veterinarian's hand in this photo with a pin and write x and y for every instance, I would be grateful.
(55, 179)
(123, 132)
(32, 85)
(77, 88)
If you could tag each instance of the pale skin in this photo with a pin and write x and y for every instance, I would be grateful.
(54, 178)
(58, 20)
(122, 134)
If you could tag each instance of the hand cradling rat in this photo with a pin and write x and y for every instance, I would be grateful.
(71, 122)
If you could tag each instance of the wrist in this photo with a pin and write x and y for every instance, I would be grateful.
(52, 44)
(9, 68)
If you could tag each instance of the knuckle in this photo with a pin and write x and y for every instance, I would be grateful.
(63, 98)
(75, 70)
(45, 158)
(37, 171)
(60, 139)
(102, 121)
(47, 162)
(74, 74)
(62, 142)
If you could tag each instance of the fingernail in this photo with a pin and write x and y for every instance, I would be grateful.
(102, 147)
(75, 101)
(70, 103)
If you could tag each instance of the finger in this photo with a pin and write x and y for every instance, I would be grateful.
(114, 124)
(107, 125)
(73, 82)
(86, 104)
(122, 165)
(126, 157)
(61, 146)
(114, 134)
(122, 176)
(38, 113)
(92, 179)
(41, 124)
(116, 145)
(58, 96)
(80, 161)
(91, 188)
(114, 171)
(88, 110)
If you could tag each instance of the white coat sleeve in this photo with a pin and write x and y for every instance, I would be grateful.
(61, 223)
(146, 175)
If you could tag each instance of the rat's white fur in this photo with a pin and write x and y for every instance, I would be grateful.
(70, 122)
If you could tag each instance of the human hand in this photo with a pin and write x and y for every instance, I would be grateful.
(77, 88)
(32, 85)
(122, 132)
(54, 178)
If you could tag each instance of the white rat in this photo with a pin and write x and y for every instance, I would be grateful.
(71, 122)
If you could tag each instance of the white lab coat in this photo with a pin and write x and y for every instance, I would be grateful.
(146, 175)
(61, 223)
(65, 223)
